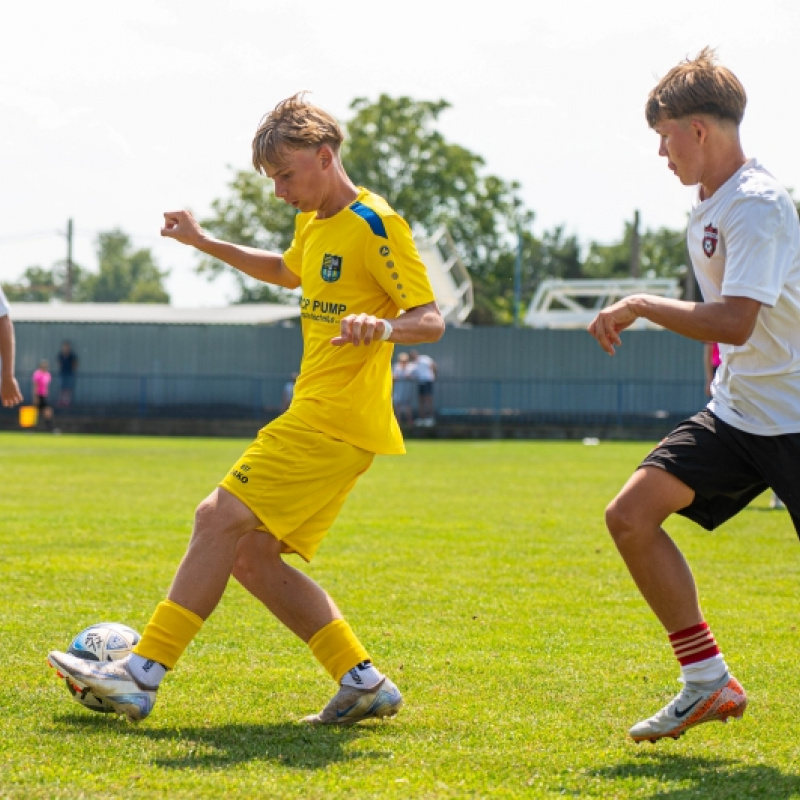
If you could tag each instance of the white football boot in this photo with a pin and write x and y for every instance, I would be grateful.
(109, 680)
(695, 704)
(350, 705)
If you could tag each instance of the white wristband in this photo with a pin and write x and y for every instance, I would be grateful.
(387, 330)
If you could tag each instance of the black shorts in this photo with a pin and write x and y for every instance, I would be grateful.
(425, 389)
(728, 468)
(41, 402)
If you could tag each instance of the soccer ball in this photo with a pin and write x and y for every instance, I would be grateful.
(105, 641)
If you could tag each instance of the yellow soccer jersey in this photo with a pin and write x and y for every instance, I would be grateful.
(361, 260)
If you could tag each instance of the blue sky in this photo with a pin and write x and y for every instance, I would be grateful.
(115, 112)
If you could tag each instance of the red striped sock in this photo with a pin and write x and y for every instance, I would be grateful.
(694, 644)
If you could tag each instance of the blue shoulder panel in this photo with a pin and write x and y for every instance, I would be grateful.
(371, 217)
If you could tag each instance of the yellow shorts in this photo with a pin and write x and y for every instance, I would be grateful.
(295, 480)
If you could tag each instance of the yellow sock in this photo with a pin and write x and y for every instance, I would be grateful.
(168, 633)
(335, 647)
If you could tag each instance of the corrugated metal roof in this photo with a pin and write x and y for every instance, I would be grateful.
(154, 313)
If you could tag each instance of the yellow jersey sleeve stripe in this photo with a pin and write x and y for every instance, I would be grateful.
(371, 217)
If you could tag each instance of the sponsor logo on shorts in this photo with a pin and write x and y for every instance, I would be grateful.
(239, 473)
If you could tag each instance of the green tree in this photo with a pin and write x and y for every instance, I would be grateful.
(125, 275)
(394, 148)
(40, 285)
(558, 256)
(610, 260)
(662, 254)
(250, 215)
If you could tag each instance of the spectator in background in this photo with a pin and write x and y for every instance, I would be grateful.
(288, 392)
(10, 395)
(425, 368)
(404, 387)
(41, 390)
(67, 367)
(711, 362)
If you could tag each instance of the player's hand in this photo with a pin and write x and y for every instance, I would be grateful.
(10, 395)
(610, 322)
(182, 226)
(359, 329)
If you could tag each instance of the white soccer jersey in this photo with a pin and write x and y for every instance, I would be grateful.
(3, 304)
(744, 241)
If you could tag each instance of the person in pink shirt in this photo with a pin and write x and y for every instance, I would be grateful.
(41, 389)
(712, 361)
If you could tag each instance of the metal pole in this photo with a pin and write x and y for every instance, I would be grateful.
(636, 247)
(68, 286)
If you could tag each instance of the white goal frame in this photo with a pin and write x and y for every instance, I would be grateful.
(575, 303)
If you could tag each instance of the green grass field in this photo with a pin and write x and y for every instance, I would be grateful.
(479, 575)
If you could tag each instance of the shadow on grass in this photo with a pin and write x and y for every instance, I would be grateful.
(707, 778)
(289, 744)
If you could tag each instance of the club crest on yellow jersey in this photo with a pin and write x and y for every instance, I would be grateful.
(331, 268)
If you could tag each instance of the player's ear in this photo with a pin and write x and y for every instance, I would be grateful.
(325, 156)
(699, 129)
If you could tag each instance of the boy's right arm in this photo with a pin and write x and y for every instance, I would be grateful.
(10, 394)
(259, 264)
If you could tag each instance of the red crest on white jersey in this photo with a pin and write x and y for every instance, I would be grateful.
(710, 237)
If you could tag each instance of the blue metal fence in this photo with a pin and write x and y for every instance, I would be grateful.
(566, 401)
(526, 400)
(151, 395)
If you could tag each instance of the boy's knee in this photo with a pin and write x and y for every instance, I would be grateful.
(619, 519)
(221, 514)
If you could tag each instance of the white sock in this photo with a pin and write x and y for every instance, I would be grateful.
(708, 671)
(148, 673)
(362, 676)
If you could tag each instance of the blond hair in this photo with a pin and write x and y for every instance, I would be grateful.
(697, 86)
(292, 125)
